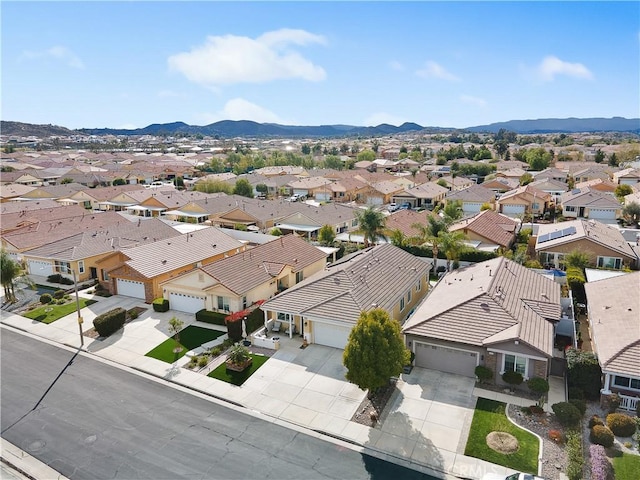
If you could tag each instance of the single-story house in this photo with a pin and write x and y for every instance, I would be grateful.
(604, 244)
(613, 309)
(592, 204)
(599, 184)
(471, 198)
(489, 229)
(139, 271)
(628, 176)
(523, 200)
(324, 307)
(495, 313)
(237, 282)
(424, 195)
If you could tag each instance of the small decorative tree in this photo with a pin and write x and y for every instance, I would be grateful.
(512, 378)
(483, 374)
(540, 387)
(175, 325)
(239, 358)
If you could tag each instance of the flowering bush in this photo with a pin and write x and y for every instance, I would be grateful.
(601, 468)
(556, 436)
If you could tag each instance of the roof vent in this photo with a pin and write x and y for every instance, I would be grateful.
(164, 262)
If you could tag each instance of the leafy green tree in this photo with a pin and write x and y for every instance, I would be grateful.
(526, 179)
(397, 238)
(243, 188)
(213, 186)
(175, 325)
(631, 213)
(333, 161)
(442, 183)
(538, 158)
(375, 351)
(577, 258)
(452, 244)
(622, 190)
(118, 181)
(366, 155)
(9, 272)
(275, 231)
(600, 156)
(216, 165)
(66, 180)
(613, 160)
(344, 149)
(326, 235)
(502, 147)
(262, 188)
(305, 149)
(179, 182)
(452, 211)
(371, 224)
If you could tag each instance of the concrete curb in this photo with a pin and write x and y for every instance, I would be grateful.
(540, 449)
(25, 464)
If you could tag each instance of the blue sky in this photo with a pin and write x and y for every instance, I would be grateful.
(448, 64)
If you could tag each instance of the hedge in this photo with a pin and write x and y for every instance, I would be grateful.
(566, 413)
(160, 305)
(207, 316)
(576, 281)
(57, 278)
(601, 435)
(473, 256)
(110, 322)
(583, 373)
(621, 425)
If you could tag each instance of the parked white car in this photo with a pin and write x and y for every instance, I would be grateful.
(392, 207)
(294, 198)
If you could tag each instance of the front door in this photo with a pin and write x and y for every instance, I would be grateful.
(581, 212)
(94, 272)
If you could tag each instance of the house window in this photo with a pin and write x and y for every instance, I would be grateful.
(535, 206)
(610, 262)
(419, 285)
(223, 304)
(81, 266)
(354, 222)
(244, 302)
(63, 267)
(402, 304)
(570, 209)
(409, 296)
(105, 276)
(626, 382)
(299, 276)
(514, 363)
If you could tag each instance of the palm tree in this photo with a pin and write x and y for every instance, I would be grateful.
(452, 211)
(429, 234)
(452, 244)
(9, 271)
(371, 224)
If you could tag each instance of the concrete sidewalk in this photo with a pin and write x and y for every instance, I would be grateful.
(425, 424)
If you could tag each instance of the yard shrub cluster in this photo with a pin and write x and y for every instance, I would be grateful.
(601, 435)
(574, 456)
(512, 378)
(58, 294)
(110, 322)
(160, 305)
(566, 413)
(621, 425)
(557, 436)
(208, 316)
(45, 298)
(580, 404)
(601, 468)
(57, 278)
(538, 385)
(584, 373)
(483, 373)
(473, 256)
(595, 420)
(576, 281)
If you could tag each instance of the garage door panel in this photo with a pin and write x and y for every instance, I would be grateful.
(130, 288)
(186, 303)
(450, 360)
(44, 269)
(330, 335)
(600, 213)
(513, 209)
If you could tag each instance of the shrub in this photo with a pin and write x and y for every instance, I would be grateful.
(584, 373)
(61, 301)
(576, 392)
(556, 436)
(110, 322)
(512, 378)
(203, 361)
(538, 385)
(58, 294)
(45, 298)
(621, 425)
(208, 316)
(483, 373)
(239, 354)
(576, 281)
(601, 468)
(566, 413)
(581, 405)
(133, 314)
(613, 402)
(234, 330)
(57, 278)
(601, 435)
(595, 420)
(574, 456)
(160, 305)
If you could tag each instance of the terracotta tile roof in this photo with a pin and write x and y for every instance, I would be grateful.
(166, 255)
(427, 190)
(106, 193)
(16, 219)
(404, 220)
(496, 228)
(490, 302)
(376, 277)
(256, 266)
(13, 190)
(528, 189)
(7, 208)
(474, 193)
(614, 316)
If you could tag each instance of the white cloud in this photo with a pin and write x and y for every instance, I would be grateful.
(435, 70)
(552, 66)
(477, 101)
(229, 59)
(397, 66)
(60, 53)
(241, 109)
(377, 118)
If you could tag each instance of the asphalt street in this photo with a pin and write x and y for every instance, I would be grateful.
(89, 420)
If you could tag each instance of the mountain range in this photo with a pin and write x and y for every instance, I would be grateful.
(246, 128)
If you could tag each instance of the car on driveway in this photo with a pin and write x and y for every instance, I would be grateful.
(392, 207)
(294, 198)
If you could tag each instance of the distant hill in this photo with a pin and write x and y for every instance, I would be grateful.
(564, 125)
(30, 130)
(247, 128)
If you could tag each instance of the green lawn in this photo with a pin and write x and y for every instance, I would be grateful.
(626, 466)
(238, 378)
(488, 417)
(51, 313)
(190, 338)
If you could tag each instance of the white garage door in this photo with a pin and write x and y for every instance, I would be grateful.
(513, 209)
(185, 303)
(450, 360)
(129, 288)
(330, 335)
(37, 267)
(471, 207)
(603, 214)
(375, 200)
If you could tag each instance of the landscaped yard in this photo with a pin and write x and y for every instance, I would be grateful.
(488, 417)
(626, 466)
(190, 338)
(238, 378)
(51, 313)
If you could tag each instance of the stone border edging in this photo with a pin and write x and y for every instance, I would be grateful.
(540, 450)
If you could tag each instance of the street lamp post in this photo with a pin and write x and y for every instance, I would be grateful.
(75, 284)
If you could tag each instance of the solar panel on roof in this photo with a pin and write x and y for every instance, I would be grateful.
(543, 238)
(568, 231)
